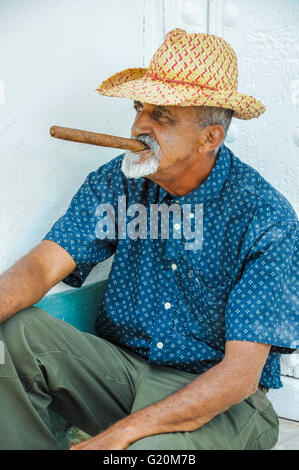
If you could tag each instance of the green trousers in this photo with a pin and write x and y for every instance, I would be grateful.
(93, 383)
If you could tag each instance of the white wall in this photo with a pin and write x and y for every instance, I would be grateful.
(265, 36)
(53, 56)
(54, 53)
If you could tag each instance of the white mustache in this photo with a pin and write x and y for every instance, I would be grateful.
(131, 167)
(150, 142)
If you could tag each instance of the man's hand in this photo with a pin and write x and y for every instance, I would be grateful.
(116, 437)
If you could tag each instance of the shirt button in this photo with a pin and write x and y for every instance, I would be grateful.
(167, 305)
(191, 216)
(177, 226)
(174, 266)
(159, 345)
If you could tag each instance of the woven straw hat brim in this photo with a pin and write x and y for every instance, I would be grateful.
(133, 84)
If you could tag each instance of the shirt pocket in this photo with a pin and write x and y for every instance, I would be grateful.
(202, 317)
(210, 296)
(208, 310)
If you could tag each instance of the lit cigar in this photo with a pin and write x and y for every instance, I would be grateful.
(94, 138)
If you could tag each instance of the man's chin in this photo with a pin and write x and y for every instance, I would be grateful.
(139, 166)
(144, 156)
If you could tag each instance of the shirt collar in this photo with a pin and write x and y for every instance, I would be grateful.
(210, 188)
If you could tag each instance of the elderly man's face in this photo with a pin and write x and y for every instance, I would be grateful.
(172, 133)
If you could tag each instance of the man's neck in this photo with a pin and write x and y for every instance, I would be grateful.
(185, 177)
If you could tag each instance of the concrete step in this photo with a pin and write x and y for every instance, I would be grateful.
(288, 435)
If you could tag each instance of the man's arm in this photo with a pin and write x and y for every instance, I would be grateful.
(232, 380)
(32, 277)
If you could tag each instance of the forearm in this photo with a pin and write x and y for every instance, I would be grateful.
(194, 405)
(20, 287)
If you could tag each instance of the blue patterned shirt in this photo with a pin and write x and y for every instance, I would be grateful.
(178, 307)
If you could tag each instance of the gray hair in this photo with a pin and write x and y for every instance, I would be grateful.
(211, 116)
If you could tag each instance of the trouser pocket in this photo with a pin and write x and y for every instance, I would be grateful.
(266, 419)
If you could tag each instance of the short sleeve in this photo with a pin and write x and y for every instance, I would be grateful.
(263, 305)
(75, 231)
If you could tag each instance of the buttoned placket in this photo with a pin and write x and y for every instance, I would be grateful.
(161, 338)
(161, 344)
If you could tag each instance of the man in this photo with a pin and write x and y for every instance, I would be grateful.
(189, 336)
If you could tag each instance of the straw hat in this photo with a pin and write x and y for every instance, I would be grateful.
(187, 70)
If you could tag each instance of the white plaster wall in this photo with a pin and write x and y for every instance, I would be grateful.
(265, 36)
(285, 400)
(53, 55)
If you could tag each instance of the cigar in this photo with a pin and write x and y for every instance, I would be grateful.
(94, 138)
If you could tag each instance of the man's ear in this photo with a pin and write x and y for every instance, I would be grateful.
(211, 138)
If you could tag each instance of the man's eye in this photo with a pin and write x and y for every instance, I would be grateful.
(138, 107)
(159, 116)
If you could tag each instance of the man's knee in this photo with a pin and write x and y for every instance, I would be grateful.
(26, 323)
(147, 443)
(25, 316)
(171, 441)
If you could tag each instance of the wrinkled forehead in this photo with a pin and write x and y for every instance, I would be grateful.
(181, 113)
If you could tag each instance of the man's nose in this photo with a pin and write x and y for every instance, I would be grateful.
(142, 124)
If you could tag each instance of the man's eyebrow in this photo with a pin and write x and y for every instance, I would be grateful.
(165, 110)
(160, 107)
